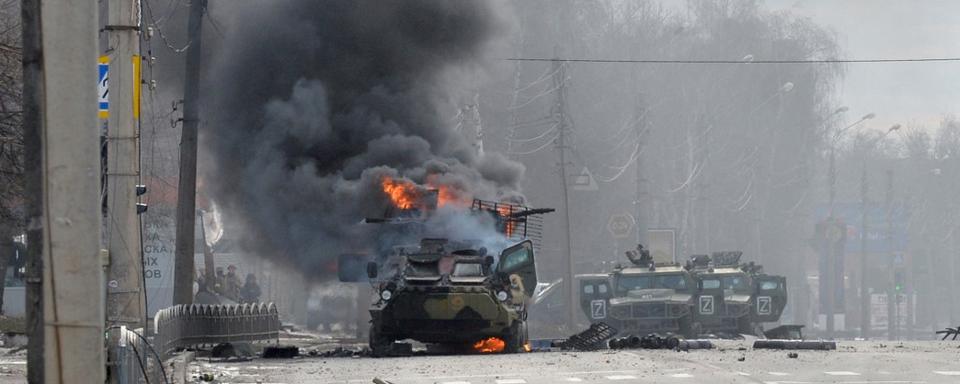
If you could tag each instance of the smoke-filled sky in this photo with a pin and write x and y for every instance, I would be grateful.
(314, 103)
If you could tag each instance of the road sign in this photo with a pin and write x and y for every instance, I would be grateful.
(621, 225)
(584, 181)
(662, 245)
(103, 102)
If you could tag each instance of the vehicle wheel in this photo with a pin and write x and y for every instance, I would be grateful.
(514, 340)
(524, 337)
(744, 326)
(690, 329)
(379, 343)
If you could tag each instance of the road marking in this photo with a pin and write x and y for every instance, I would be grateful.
(574, 379)
(681, 375)
(779, 373)
(13, 362)
(511, 381)
(948, 373)
(621, 377)
(743, 373)
(841, 373)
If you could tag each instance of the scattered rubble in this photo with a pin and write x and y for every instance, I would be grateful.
(654, 341)
(955, 332)
(280, 352)
(591, 339)
(795, 344)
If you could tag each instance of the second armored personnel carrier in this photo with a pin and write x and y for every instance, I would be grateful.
(733, 297)
(642, 298)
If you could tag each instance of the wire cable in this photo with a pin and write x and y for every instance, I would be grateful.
(154, 351)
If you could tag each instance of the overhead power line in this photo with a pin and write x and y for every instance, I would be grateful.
(670, 61)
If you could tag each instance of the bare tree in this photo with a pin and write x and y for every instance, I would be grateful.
(11, 135)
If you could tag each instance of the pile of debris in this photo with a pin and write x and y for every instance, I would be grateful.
(591, 339)
(655, 341)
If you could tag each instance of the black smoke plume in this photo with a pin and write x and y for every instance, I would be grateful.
(314, 102)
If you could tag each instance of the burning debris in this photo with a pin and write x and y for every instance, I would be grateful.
(490, 345)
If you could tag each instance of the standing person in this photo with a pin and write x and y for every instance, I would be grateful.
(219, 282)
(231, 284)
(250, 293)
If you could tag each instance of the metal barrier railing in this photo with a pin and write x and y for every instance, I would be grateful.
(192, 325)
(132, 359)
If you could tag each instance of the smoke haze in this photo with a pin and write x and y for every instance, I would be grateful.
(316, 102)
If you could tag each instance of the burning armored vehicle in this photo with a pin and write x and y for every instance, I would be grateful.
(452, 291)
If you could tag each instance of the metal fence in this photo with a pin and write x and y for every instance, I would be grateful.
(183, 326)
(132, 360)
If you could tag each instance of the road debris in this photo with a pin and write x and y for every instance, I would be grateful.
(654, 341)
(591, 339)
(280, 352)
(795, 344)
(793, 355)
(949, 332)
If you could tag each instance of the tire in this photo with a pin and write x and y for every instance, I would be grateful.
(379, 343)
(744, 326)
(690, 329)
(517, 337)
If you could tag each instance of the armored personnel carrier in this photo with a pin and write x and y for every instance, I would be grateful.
(645, 297)
(735, 297)
(456, 294)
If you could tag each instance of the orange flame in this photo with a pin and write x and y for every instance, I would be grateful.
(527, 348)
(504, 211)
(490, 345)
(402, 193)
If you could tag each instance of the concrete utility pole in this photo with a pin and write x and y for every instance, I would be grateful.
(183, 275)
(865, 296)
(893, 297)
(642, 197)
(125, 296)
(559, 80)
(63, 192)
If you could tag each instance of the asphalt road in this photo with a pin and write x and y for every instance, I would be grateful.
(854, 362)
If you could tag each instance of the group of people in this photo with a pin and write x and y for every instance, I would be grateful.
(228, 285)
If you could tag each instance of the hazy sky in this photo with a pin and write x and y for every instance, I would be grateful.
(906, 93)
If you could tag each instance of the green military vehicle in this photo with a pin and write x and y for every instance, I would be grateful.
(645, 297)
(735, 298)
(453, 293)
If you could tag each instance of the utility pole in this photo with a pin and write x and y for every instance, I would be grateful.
(183, 275)
(642, 195)
(893, 296)
(125, 296)
(65, 272)
(830, 247)
(560, 84)
(864, 293)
